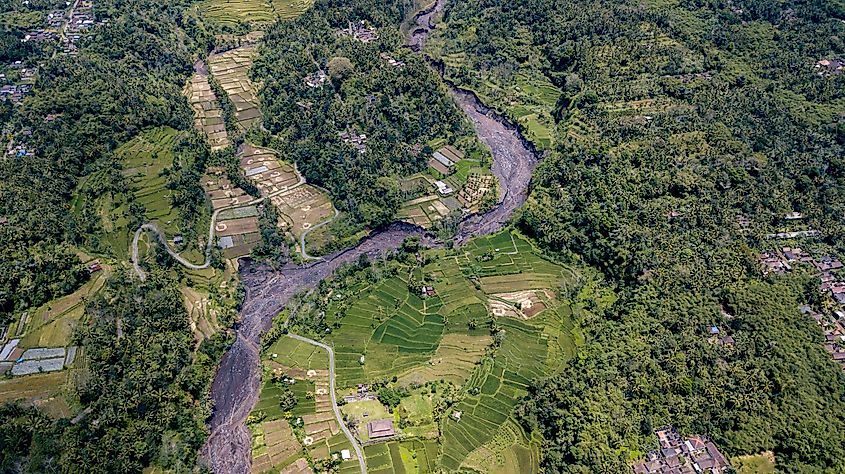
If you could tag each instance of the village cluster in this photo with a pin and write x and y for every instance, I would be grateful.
(678, 455)
(18, 78)
(831, 285)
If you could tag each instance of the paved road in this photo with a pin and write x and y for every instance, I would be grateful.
(151, 227)
(358, 451)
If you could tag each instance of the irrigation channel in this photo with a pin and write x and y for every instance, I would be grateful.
(236, 385)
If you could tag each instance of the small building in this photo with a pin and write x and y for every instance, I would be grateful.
(345, 455)
(316, 80)
(95, 267)
(380, 429)
(443, 188)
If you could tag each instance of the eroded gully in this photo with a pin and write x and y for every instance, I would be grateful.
(236, 385)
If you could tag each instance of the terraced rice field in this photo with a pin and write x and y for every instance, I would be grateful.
(237, 230)
(274, 446)
(508, 451)
(257, 12)
(399, 343)
(391, 329)
(208, 114)
(302, 208)
(263, 167)
(231, 70)
(144, 158)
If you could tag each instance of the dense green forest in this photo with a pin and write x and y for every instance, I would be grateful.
(127, 76)
(675, 124)
(144, 389)
(395, 107)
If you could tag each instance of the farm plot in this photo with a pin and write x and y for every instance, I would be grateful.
(269, 174)
(274, 446)
(237, 230)
(208, 114)
(231, 70)
(52, 324)
(302, 208)
(320, 433)
(427, 210)
(221, 192)
(257, 12)
(475, 190)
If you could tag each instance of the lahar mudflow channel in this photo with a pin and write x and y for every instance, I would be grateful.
(236, 385)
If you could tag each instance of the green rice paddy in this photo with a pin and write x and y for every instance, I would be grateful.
(389, 332)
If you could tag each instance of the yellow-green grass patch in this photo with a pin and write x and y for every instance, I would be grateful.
(763, 463)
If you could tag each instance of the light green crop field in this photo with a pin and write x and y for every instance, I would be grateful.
(388, 332)
(256, 12)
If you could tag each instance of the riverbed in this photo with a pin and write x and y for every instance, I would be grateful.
(236, 385)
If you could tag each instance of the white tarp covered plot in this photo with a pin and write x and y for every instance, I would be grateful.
(44, 353)
(28, 367)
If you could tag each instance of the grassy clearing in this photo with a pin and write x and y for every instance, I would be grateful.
(763, 463)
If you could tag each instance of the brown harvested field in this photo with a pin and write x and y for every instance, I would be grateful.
(280, 440)
(302, 208)
(208, 115)
(528, 303)
(424, 211)
(245, 225)
(453, 361)
(300, 466)
(231, 70)
(32, 387)
(269, 174)
(516, 282)
(221, 191)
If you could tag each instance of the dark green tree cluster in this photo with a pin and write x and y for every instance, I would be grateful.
(684, 134)
(144, 391)
(396, 108)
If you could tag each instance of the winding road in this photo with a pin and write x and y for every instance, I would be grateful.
(153, 228)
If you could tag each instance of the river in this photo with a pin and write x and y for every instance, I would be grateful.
(236, 385)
